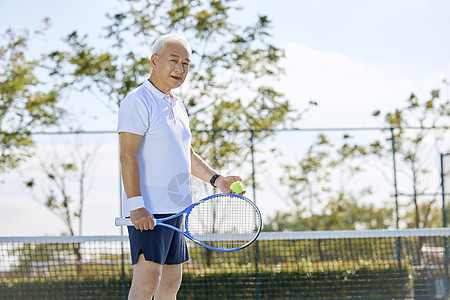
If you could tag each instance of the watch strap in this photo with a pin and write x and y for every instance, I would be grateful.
(213, 179)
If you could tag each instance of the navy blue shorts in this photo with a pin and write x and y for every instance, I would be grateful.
(161, 245)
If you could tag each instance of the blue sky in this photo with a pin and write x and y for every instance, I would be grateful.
(350, 56)
(399, 46)
(412, 35)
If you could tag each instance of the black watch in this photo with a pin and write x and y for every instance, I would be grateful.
(213, 179)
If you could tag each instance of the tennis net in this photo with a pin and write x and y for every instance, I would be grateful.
(375, 264)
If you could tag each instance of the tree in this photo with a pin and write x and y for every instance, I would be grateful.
(415, 128)
(65, 186)
(318, 201)
(342, 213)
(35, 259)
(227, 89)
(65, 191)
(26, 101)
(230, 62)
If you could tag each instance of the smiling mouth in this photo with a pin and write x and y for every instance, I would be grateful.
(176, 77)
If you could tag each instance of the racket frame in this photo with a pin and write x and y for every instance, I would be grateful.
(187, 210)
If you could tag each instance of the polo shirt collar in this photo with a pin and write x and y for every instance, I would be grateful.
(158, 94)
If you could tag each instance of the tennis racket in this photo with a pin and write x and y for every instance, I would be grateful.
(223, 222)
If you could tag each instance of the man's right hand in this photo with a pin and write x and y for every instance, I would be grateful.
(142, 219)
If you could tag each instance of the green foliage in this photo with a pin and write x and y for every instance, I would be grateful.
(317, 202)
(429, 212)
(414, 128)
(339, 214)
(82, 69)
(265, 285)
(65, 182)
(284, 284)
(225, 90)
(40, 253)
(26, 102)
(274, 269)
(229, 64)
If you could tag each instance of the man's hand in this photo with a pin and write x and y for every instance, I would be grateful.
(142, 219)
(223, 183)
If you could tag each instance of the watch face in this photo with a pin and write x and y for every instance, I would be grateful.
(213, 179)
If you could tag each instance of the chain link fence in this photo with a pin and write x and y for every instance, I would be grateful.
(311, 170)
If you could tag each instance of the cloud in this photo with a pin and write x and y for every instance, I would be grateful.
(347, 90)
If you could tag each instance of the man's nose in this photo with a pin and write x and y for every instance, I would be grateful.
(180, 68)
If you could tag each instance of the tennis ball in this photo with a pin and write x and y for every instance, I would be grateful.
(236, 187)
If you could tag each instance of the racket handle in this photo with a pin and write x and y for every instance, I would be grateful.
(123, 222)
(127, 221)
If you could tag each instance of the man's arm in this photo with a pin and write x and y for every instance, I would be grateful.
(201, 170)
(129, 147)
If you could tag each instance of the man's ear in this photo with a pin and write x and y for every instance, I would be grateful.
(154, 59)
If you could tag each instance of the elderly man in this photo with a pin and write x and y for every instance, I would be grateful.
(155, 144)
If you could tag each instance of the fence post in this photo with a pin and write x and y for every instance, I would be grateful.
(397, 217)
(444, 222)
(257, 283)
(444, 215)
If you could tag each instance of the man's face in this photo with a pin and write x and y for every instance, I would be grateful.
(170, 67)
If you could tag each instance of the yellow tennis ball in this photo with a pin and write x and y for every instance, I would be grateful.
(237, 187)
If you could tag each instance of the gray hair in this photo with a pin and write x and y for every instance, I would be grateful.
(160, 43)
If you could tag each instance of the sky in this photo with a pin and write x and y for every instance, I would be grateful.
(352, 57)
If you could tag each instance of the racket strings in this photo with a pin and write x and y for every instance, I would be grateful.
(224, 222)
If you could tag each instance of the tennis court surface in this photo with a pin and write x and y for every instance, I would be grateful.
(376, 264)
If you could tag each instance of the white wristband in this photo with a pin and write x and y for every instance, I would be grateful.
(135, 203)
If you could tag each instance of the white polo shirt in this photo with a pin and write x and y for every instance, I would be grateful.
(164, 156)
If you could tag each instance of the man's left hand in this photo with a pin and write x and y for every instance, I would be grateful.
(223, 183)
